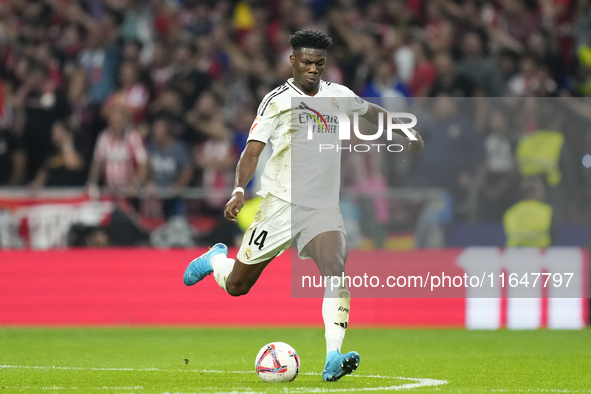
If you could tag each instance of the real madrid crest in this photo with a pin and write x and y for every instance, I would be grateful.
(247, 254)
(335, 104)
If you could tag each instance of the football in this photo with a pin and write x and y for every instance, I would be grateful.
(277, 362)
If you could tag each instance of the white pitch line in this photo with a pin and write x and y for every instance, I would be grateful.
(418, 382)
(525, 391)
(108, 369)
(73, 388)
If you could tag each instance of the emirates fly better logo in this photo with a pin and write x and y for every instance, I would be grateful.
(339, 122)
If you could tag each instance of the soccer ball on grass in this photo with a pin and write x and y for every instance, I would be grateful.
(277, 362)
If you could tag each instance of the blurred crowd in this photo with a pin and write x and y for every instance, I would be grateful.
(159, 95)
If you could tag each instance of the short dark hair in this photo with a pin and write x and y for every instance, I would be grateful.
(309, 39)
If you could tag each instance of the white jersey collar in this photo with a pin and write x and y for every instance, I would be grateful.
(293, 86)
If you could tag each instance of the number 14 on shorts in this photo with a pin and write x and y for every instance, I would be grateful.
(260, 238)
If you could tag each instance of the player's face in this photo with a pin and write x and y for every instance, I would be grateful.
(308, 66)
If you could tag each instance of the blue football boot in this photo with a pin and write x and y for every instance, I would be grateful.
(339, 365)
(201, 267)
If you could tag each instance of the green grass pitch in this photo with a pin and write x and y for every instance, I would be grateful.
(200, 360)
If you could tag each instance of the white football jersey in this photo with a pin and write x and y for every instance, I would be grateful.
(298, 170)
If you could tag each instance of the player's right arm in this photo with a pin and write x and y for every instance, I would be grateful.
(244, 173)
(264, 124)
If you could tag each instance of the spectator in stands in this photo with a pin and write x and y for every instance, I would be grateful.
(438, 29)
(583, 86)
(216, 158)
(530, 222)
(448, 81)
(458, 149)
(187, 80)
(69, 45)
(41, 104)
(120, 156)
(161, 69)
(497, 174)
(205, 119)
(518, 21)
(12, 149)
(102, 55)
(477, 66)
(542, 46)
(12, 158)
(403, 55)
(242, 125)
(83, 120)
(212, 56)
(508, 67)
(385, 88)
(45, 54)
(164, 13)
(522, 84)
(66, 166)
(137, 26)
(543, 84)
(132, 52)
(170, 106)
(583, 49)
(171, 167)
(241, 129)
(135, 93)
(424, 73)
(545, 152)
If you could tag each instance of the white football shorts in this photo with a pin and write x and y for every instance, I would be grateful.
(278, 223)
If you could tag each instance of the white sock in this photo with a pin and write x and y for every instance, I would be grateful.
(335, 312)
(222, 267)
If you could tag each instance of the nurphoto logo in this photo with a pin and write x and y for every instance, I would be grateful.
(338, 121)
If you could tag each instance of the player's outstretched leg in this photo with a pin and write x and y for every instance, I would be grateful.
(339, 365)
(201, 266)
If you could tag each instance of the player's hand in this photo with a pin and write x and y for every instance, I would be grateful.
(418, 145)
(233, 207)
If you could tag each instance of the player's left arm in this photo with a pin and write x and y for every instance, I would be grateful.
(372, 115)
